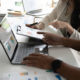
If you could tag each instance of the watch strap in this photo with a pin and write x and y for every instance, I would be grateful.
(55, 65)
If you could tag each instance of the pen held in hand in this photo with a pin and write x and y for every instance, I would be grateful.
(33, 24)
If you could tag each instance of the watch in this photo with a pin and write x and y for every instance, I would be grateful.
(55, 65)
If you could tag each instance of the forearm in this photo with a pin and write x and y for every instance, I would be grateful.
(69, 72)
(75, 44)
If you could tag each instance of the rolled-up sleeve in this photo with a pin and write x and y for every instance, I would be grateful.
(49, 18)
(52, 16)
(75, 35)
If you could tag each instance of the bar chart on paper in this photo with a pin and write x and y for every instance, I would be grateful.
(33, 75)
(38, 78)
(29, 78)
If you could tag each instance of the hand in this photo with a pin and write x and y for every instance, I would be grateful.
(38, 60)
(59, 24)
(36, 26)
(51, 39)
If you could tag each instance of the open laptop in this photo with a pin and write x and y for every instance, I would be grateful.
(17, 51)
(33, 7)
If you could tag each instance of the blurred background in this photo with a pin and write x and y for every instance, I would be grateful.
(17, 4)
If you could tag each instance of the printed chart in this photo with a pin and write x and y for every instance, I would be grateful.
(34, 75)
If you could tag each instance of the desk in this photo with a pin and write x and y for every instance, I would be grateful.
(62, 53)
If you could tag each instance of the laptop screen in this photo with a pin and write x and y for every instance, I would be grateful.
(30, 5)
(7, 38)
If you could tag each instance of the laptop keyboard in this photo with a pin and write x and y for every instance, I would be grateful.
(23, 52)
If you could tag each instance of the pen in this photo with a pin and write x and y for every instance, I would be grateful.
(33, 24)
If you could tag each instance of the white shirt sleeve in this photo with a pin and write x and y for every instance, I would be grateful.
(52, 16)
(75, 35)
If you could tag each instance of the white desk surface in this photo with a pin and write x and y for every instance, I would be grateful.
(62, 53)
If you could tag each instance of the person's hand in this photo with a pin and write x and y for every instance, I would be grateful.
(38, 60)
(33, 26)
(36, 26)
(60, 24)
(51, 39)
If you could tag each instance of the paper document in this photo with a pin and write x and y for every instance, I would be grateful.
(26, 31)
(4, 78)
(14, 21)
(34, 75)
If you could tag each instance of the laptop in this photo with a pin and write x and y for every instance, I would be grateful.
(33, 7)
(17, 51)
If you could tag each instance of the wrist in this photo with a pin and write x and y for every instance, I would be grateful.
(40, 25)
(67, 26)
(61, 40)
(56, 65)
(65, 42)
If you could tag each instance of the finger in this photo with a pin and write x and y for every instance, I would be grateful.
(33, 26)
(29, 62)
(46, 38)
(48, 43)
(28, 25)
(29, 65)
(36, 54)
(30, 58)
(41, 32)
(26, 62)
(45, 41)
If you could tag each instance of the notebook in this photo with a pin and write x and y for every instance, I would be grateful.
(17, 51)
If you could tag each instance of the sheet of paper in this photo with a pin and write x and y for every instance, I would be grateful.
(46, 74)
(26, 31)
(4, 78)
(32, 77)
(14, 21)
